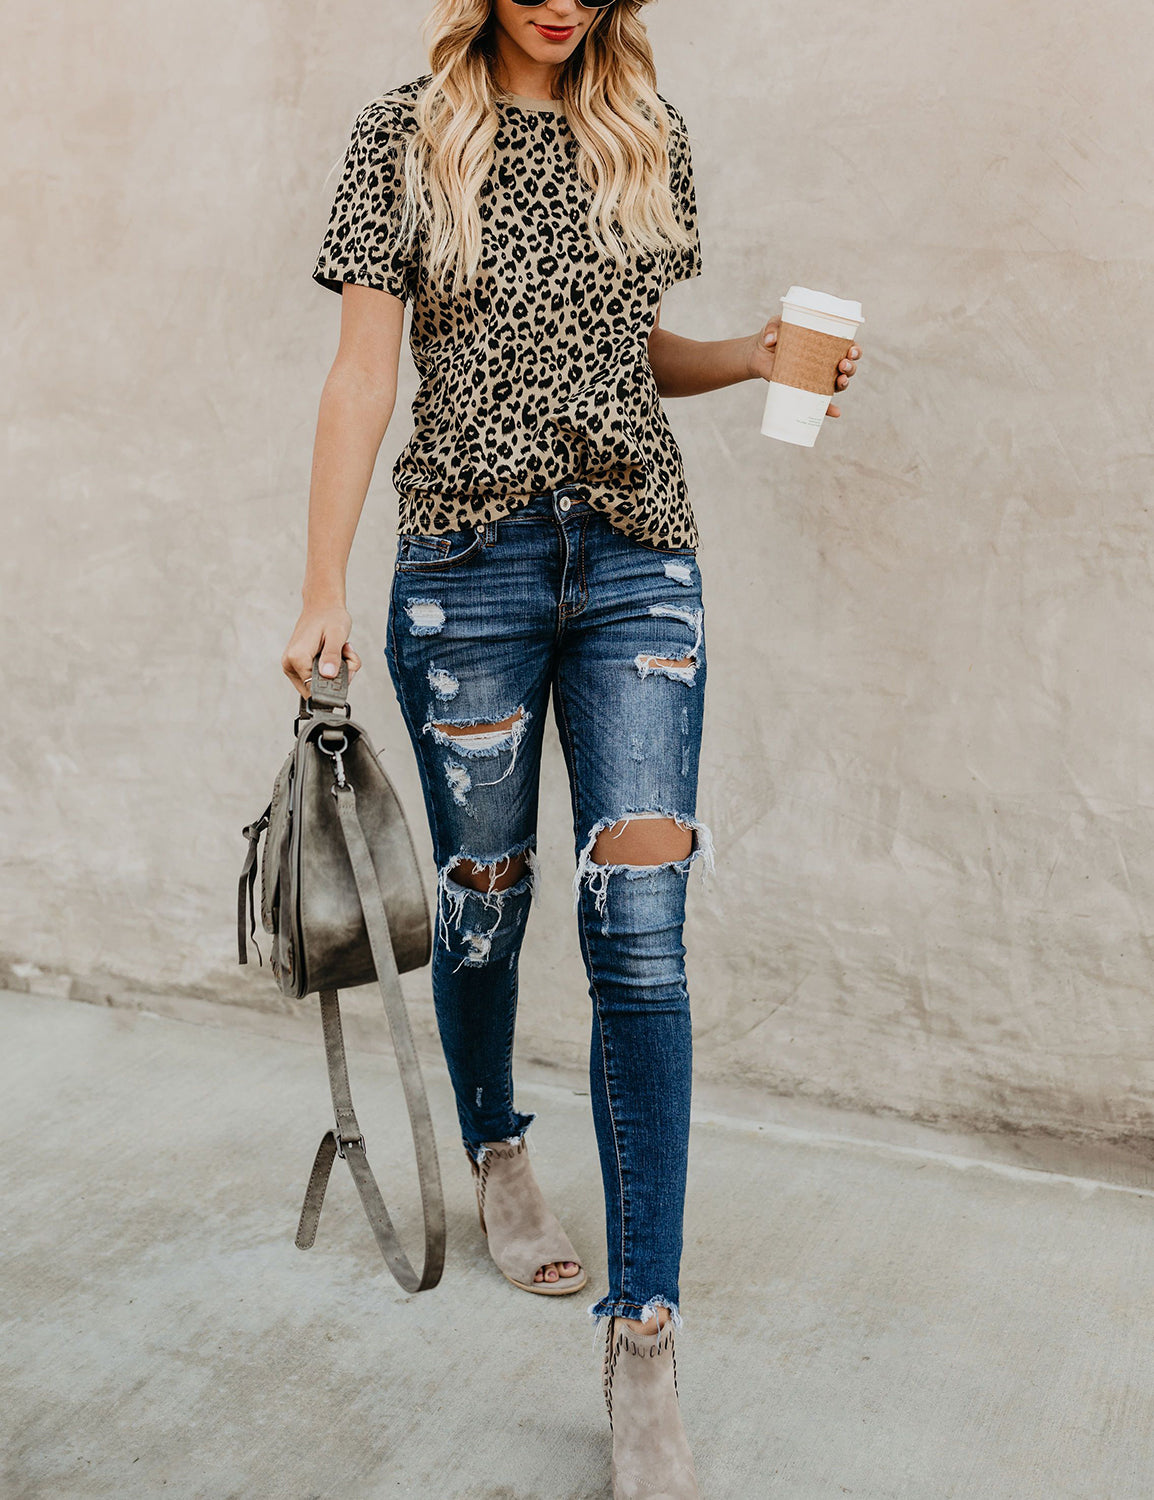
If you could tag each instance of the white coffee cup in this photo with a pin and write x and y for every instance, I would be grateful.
(817, 331)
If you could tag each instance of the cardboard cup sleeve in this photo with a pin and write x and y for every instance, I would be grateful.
(807, 359)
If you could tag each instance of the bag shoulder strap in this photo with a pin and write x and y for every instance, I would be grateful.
(345, 1139)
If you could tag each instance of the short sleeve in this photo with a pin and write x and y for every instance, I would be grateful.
(682, 262)
(363, 241)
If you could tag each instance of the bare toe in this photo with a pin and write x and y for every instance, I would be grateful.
(569, 1267)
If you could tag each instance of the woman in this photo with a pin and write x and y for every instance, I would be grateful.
(532, 196)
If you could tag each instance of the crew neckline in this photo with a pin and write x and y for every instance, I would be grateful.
(542, 106)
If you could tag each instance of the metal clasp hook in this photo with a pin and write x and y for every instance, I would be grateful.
(337, 753)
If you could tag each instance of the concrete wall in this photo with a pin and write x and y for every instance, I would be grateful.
(929, 758)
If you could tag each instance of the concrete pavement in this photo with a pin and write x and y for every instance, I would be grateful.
(871, 1309)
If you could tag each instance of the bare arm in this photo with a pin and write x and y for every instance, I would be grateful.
(355, 408)
(687, 367)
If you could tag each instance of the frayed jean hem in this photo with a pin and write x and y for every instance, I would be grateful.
(622, 1307)
(477, 1150)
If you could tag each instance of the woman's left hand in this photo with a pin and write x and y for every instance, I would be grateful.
(763, 348)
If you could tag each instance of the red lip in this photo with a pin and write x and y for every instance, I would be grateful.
(555, 33)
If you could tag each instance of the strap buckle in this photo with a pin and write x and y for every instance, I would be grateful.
(348, 1140)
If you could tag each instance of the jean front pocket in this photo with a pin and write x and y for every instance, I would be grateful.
(663, 551)
(423, 554)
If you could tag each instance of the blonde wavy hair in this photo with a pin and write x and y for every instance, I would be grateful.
(609, 95)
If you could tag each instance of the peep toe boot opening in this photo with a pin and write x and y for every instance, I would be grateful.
(523, 1232)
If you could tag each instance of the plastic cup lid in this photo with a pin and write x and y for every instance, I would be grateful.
(823, 302)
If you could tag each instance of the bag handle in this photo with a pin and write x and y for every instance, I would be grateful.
(345, 1139)
(327, 692)
(324, 693)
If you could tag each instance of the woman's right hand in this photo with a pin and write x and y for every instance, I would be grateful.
(324, 629)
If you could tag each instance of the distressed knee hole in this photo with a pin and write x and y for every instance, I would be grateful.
(635, 847)
(477, 878)
(642, 841)
(502, 886)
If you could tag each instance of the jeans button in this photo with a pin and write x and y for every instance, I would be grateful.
(564, 502)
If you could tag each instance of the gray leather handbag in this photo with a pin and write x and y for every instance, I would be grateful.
(341, 895)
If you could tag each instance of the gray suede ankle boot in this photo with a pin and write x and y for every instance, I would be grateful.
(651, 1457)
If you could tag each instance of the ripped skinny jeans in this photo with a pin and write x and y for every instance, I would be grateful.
(486, 625)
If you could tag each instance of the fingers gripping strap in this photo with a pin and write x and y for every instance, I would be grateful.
(347, 1138)
(328, 692)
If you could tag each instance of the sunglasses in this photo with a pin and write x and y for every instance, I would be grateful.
(585, 4)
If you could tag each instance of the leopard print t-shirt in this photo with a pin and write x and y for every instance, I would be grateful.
(538, 373)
